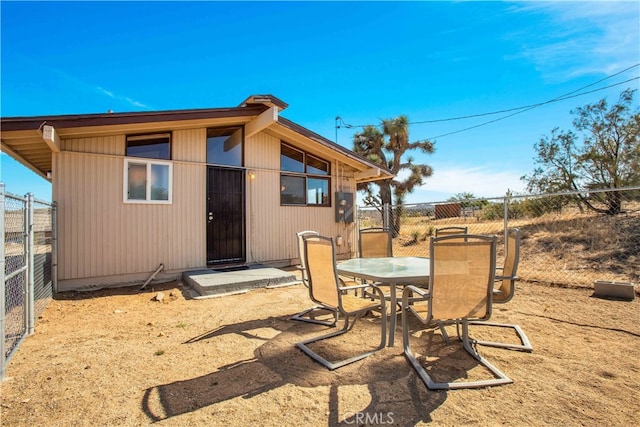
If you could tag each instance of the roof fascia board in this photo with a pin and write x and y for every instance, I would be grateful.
(268, 100)
(111, 119)
(368, 175)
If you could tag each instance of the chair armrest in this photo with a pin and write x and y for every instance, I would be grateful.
(408, 299)
(374, 287)
(407, 294)
(349, 288)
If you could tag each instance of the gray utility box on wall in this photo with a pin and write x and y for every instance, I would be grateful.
(344, 207)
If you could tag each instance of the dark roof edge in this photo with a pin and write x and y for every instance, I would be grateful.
(265, 100)
(324, 141)
(106, 119)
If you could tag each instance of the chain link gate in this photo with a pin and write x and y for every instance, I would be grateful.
(27, 267)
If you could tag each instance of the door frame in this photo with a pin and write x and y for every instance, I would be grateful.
(242, 259)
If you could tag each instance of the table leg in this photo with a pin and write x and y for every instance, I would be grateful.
(393, 314)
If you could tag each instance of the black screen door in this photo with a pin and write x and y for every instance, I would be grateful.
(225, 216)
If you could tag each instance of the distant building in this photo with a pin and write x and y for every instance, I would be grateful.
(448, 210)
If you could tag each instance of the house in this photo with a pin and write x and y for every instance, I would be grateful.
(186, 188)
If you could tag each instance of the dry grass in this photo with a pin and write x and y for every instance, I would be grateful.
(118, 358)
(570, 248)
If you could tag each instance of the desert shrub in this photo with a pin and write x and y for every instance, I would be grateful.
(492, 211)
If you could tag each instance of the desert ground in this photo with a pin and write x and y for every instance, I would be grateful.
(122, 358)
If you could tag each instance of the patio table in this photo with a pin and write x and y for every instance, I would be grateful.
(391, 271)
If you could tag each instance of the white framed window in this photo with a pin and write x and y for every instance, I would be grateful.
(148, 181)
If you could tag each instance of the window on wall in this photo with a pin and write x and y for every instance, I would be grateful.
(153, 146)
(148, 181)
(224, 146)
(305, 179)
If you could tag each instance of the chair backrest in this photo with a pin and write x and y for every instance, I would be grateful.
(375, 242)
(449, 231)
(320, 259)
(507, 288)
(303, 266)
(461, 277)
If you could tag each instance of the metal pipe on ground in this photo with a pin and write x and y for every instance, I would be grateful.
(153, 275)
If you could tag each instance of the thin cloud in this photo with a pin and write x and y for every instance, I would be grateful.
(106, 92)
(135, 103)
(130, 101)
(581, 38)
(88, 86)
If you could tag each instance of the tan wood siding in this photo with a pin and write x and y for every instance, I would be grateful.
(271, 228)
(99, 235)
(100, 145)
(189, 145)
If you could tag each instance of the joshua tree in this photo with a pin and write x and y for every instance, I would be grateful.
(387, 147)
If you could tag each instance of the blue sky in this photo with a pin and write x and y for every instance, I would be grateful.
(361, 61)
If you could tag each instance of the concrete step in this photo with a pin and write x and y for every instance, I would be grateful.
(232, 280)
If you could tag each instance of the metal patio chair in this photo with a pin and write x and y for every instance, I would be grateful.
(461, 277)
(309, 315)
(449, 231)
(504, 292)
(375, 242)
(325, 289)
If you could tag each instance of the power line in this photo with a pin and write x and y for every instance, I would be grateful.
(530, 108)
(518, 110)
(560, 98)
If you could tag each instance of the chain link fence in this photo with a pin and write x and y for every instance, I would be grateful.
(570, 239)
(27, 267)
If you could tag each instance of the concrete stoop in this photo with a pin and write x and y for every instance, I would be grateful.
(234, 280)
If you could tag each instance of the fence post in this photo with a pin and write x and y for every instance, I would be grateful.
(30, 294)
(507, 200)
(3, 352)
(386, 223)
(54, 245)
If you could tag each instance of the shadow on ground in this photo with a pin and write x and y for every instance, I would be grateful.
(396, 395)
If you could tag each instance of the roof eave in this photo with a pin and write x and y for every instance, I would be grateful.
(106, 119)
(372, 171)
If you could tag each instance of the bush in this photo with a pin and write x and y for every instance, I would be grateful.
(492, 211)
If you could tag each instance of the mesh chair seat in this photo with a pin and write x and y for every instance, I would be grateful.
(460, 290)
(325, 289)
(316, 313)
(352, 304)
(375, 242)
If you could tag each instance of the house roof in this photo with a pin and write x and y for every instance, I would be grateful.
(32, 140)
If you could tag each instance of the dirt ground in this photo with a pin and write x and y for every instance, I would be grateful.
(120, 358)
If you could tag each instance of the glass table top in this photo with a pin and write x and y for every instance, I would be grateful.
(391, 269)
